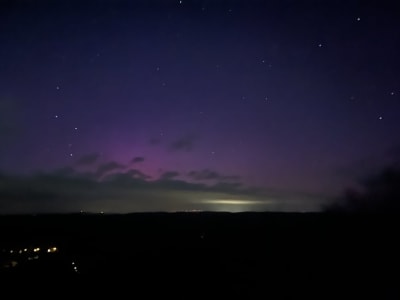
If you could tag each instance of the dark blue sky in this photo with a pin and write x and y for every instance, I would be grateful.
(217, 105)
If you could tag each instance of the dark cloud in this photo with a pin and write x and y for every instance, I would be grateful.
(356, 168)
(69, 190)
(207, 174)
(136, 174)
(55, 192)
(169, 175)
(203, 175)
(226, 186)
(137, 159)
(127, 176)
(371, 164)
(185, 143)
(108, 167)
(88, 159)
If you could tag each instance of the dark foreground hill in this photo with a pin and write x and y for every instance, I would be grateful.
(199, 255)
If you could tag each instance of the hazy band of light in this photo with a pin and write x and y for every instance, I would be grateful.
(234, 201)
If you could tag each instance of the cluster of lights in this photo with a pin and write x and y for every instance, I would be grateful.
(32, 254)
(75, 267)
(26, 250)
(52, 250)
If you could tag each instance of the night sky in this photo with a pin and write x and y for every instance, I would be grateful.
(194, 105)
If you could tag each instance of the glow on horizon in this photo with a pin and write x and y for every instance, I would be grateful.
(234, 202)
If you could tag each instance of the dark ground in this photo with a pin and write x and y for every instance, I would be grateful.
(203, 255)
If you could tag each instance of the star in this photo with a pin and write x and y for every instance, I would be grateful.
(71, 154)
(76, 128)
(320, 45)
(380, 118)
(57, 88)
(391, 93)
(56, 116)
(358, 19)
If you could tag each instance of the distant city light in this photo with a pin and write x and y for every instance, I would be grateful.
(52, 250)
(233, 201)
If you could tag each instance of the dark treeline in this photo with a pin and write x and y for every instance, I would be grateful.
(379, 193)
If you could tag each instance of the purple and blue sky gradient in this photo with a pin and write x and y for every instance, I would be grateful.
(227, 105)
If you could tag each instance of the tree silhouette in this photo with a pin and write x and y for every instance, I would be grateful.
(381, 193)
